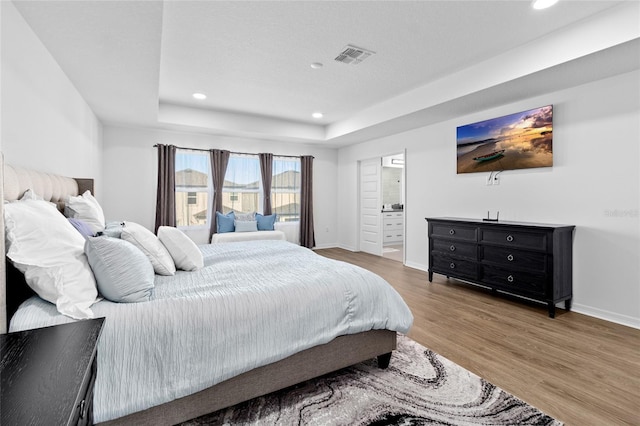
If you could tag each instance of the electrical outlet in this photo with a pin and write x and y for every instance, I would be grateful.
(496, 179)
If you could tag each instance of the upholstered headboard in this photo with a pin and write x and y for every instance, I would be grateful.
(52, 187)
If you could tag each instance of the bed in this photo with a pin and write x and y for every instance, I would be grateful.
(239, 327)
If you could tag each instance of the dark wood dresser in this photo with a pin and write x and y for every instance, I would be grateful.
(524, 259)
(47, 374)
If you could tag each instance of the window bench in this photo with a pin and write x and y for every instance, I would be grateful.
(228, 237)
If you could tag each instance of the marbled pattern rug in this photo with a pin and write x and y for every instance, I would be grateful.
(420, 387)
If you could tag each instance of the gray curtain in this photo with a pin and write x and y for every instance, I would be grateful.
(307, 237)
(219, 161)
(166, 189)
(266, 170)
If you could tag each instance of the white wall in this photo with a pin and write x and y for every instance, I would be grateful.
(130, 171)
(46, 124)
(594, 184)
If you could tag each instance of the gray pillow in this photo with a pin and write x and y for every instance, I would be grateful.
(246, 225)
(245, 217)
(113, 229)
(123, 272)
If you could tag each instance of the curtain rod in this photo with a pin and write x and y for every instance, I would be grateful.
(233, 152)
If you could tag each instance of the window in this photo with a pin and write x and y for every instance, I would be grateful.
(285, 189)
(192, 188)
(242, 190)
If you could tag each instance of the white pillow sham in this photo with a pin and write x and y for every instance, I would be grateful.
(185, 253)
(151, 246)
(44, 246)
(87, 208)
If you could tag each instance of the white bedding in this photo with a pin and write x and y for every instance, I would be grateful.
(252, 304)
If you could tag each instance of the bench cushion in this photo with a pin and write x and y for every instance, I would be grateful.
(228, 237)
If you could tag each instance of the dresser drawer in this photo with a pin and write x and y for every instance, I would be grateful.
(392, 223)
(454, 231)
(390, 236)
(524, 283)
(454, 266)
(393, 215)
(508, 238)
(510, 258)
(455, 248)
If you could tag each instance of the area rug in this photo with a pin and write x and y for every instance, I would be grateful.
(420, 387)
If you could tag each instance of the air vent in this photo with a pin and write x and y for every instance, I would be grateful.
(352, 55)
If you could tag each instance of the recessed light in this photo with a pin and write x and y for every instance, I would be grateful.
(543, 4)
(316, 65)
(200, 96)
(317, 115)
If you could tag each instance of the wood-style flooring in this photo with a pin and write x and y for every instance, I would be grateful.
(579, 369)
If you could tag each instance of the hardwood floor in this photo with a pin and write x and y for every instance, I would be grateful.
(576, 368)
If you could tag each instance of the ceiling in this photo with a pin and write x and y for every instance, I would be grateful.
(139, 62)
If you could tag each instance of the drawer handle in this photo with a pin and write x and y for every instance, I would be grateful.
(510, 278)
(452, 265)
(452, 248)
(82, 406)
(509, 238)
(510, 258)
(452, 231)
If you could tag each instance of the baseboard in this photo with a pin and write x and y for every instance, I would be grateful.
(325, 246)
(418, 266)
(606, 315)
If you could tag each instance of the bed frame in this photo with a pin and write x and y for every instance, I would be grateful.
(341, 352)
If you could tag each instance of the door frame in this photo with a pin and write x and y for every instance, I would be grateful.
(402, 151)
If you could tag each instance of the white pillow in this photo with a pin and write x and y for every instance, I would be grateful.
(185, 253)
(87, 208)
(44, 246)
(29, 194)
(122, 271)
(150, 245)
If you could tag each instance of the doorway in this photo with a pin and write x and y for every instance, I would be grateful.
(381, 196)
(392, 185)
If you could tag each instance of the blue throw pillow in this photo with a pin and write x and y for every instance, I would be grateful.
(266, 223)
(225, 222)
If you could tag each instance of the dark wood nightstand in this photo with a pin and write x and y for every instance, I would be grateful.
(47, 374)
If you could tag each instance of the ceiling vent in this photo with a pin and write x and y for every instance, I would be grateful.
(353, 55)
